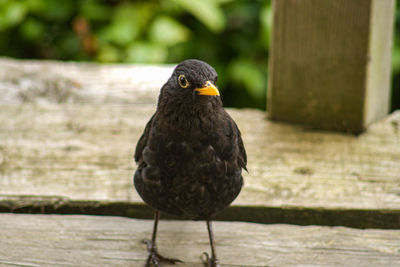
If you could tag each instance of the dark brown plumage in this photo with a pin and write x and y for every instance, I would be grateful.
(191, 155)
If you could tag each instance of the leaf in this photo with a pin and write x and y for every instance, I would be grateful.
(208, 12)
(144, 52)
(108, 53)
(396, 57)
(57, 10)
(266, 24)
(252, 76)
(120, 32)
(95, 10)
(32, 29)
(36, 6)
(139, 13)
(167, 31)
(223, 1)
(11, 13)
(128, 20)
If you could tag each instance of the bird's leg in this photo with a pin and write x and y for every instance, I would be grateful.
(213, 261)
(154, 258)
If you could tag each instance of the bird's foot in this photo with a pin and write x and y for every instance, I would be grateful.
(154, 259)
(209, 262)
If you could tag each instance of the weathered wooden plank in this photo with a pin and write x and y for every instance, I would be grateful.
(330, 62)
(43, 240)
(83, 152)
(68, 130)
(41, 81)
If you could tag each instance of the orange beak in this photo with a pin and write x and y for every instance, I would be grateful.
(208, 89)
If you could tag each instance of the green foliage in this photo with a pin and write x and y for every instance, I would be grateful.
(209, 12)
(11, 13)
(177, 33)
(396, 62)
(233, 36)
(396, 43)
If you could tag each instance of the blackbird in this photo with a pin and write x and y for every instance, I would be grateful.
(191, 154)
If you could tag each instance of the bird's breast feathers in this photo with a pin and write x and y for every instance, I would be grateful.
(190, 155)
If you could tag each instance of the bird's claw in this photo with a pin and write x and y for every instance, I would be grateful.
(154, 259)
(209, 262)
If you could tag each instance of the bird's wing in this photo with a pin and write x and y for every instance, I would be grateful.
(143, 140)
(231, 148)
(242, 157)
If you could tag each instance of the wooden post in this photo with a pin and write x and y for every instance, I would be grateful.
(330, 62)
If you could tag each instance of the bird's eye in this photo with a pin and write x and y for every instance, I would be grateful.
(182, 81)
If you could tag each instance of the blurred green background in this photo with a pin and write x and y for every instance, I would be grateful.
(233, 36)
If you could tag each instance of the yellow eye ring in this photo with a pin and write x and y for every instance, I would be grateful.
(183, 82)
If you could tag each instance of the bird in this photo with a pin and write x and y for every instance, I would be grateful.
(190, 156)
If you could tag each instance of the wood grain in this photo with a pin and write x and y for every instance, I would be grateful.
(76, 156)
(85, 152)
(45, 240)
(39, 81)
(330, 63)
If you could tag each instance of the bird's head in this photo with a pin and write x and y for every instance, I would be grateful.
(193, 77)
